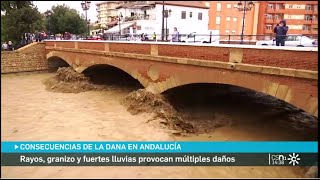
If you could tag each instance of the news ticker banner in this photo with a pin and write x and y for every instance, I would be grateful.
(159, 153)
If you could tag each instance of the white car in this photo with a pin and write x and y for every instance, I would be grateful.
(292, 40)
(200, 38)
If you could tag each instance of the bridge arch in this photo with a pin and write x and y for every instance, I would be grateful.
(289, 94)
(64, 59)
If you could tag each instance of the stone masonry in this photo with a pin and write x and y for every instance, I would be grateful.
(29, 58)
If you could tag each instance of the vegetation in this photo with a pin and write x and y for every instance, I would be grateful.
(19, 17)
(64, 19)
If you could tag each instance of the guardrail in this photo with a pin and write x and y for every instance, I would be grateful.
(299, 40)
(269, 40)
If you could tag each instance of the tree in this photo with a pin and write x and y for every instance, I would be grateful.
(19, 17)
(9, 6)
(64, 19)
(22, 20)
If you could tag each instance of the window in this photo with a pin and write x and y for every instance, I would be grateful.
(290, 6)
(190, 15)
(277, 17)
(199, 16)
(308, 18)
(183, 14)
(305, 27)
(298, 7)
(228, 18)
(289, 17)
(233, 32)
(278, 6)
(308, 7)
(227, 31)
(269, 16)
(218, 20)
(218, 6)
(228, 6)
(270, 6)
(268, 27)
(234, 19)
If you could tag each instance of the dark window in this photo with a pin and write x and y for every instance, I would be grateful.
(199, 16)
(132, 14)
(190, 14)
(183, 15)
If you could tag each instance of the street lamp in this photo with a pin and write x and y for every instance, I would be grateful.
(162, 30)
(86, 6)
(47, 14)
(167, 13)
(119, 19)
(244, 8)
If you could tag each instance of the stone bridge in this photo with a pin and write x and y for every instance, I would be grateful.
(290, 74)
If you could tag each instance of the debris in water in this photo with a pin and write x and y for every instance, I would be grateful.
(144, 101)
(68, 80)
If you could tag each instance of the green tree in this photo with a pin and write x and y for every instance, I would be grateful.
(64, 19)
(23, 20)
(9, 6)
(20, 17)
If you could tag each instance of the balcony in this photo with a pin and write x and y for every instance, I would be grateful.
(280, 11)
(309, 11)
(270, 10)
(269, 21)
(305, 31)
(314, 31)
(268, 31)
(147, 17)
(307, 22)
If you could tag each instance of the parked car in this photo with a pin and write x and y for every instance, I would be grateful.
(94, 38)
(293, 41)
(195, 37)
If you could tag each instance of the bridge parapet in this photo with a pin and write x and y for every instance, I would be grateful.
(285, 57)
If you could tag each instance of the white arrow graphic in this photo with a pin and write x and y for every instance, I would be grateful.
(16, 147)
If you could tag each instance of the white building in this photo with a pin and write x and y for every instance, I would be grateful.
(146, 17)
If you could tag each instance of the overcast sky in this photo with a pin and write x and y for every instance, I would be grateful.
(92, 12)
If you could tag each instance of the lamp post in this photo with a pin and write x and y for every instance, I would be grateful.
(162, 30)
(167, 13)
(48, 14)
(119, 19)
(86, 6)
(244, 8)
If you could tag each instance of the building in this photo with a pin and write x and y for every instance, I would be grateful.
(107, 12)
(301, 16)
(146, 17)
(225, 17)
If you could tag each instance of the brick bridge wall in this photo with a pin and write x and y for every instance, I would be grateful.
(288, 75)
(29, 58)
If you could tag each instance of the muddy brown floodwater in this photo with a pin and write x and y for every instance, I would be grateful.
(31, 112)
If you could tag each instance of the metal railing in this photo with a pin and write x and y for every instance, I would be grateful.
(268, 40)
(217, 39)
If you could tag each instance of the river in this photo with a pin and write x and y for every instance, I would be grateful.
(31, 113)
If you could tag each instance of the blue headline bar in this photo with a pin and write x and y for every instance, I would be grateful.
(159, 147)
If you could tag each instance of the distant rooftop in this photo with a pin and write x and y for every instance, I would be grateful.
(195, 4)
(106, 2)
